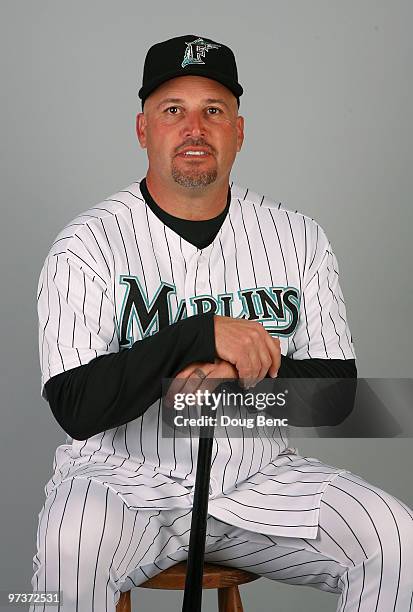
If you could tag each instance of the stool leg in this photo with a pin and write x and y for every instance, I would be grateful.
(229, 600)
(123, 604)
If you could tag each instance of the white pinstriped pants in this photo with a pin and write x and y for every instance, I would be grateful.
(91, 546)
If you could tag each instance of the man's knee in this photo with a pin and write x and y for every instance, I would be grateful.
(79, 534)
(398, 538)
(367, 521)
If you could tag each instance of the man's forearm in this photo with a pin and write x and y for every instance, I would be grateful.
(114, 389)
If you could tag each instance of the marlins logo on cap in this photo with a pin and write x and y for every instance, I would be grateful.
(201, 48)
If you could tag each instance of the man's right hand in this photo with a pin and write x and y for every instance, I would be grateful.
(248, 346)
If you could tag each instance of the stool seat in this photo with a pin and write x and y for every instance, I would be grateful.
(214, 577)
(225, 579)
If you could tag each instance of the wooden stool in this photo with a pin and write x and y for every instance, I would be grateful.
(225, 579)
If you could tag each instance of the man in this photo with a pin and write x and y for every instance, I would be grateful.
(186, 275)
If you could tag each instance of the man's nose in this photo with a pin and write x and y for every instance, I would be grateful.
(194, 124)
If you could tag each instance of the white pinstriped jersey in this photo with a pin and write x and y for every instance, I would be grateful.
(117, 274)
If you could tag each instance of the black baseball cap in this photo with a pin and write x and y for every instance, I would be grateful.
(189, 55)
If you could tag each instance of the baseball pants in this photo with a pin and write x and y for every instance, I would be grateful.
(91, 546)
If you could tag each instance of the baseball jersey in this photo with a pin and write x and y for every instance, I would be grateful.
(117, 274)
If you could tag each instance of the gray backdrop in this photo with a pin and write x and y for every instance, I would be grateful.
(328, 89)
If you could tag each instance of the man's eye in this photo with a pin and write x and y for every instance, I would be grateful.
(171, 107)
(213, 108)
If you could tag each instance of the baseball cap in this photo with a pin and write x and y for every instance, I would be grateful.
(189, 55)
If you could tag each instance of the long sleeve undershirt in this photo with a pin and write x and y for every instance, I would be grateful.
(113, 389)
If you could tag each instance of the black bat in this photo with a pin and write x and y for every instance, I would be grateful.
(192, 601)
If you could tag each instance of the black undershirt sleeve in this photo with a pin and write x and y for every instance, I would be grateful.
(317, 368)
(321, 392)
(113, 389)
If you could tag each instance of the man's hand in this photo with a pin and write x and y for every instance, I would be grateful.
(202, 376)
(248, 346)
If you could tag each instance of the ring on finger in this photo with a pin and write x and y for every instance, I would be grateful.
(200, 373)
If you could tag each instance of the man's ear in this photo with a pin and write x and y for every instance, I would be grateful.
(240, 132)
(141, 129)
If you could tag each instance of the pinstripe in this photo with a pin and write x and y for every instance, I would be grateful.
(158, 436)
(170, 262)
(347, 523)
(379, 540)
(235, 247)
(157, 534)
(114, 555)
(302, 294)
(362, 587)
(283, 259)
(123, 243)
(48, 314)
(183, 258)
(85, 263)
(58, 322)
(131, 540)
(223, 261)
(243, 449)
(272, 523)
(337, 334)
(248, 242)
(280, 245)
(45, 548)
(345, 592)
(84, 297)
(183, 533)
(226, 463)
(315, 248)
(209, 270)
(104, 209)
(305, 244)
(263, 244)
(38, 565)
(125, 435)
(95, 241)
(113, 258)
(141, 440)
(100, 313)
(76, 235)
(338, 306)
(321, 314)
(337, 544)
(154, 250)
(118, 201)
(338, 310)
(196, 274)
(62, 238)
(191, 453)
(78, 551)
(100, 547)
(59, 536)
(138, 250)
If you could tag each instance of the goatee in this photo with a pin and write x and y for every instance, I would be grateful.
(192, 178)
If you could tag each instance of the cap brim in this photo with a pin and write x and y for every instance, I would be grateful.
(233, 86)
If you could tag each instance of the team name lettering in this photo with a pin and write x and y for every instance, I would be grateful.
(276, 307)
